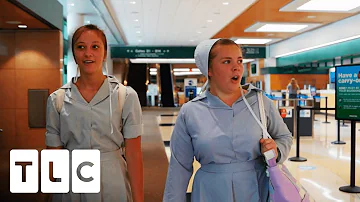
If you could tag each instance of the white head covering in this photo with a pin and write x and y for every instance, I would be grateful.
(201, 56)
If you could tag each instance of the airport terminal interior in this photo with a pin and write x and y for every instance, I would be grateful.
(312, 43)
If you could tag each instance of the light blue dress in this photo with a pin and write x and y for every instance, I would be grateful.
(83, 125)
(225, 140)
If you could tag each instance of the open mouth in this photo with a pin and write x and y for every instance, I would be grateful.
(235, 78)
(88, 61)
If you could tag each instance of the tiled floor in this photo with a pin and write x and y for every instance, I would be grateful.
(327, 167)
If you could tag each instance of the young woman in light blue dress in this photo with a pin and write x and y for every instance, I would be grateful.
(90, 118)
(218, 130)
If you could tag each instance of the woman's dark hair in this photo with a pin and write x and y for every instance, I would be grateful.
(212, 53)
(84, 28)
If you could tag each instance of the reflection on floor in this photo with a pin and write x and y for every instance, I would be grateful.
(327, 167)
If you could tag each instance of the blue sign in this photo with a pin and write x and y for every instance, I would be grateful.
(189, 89)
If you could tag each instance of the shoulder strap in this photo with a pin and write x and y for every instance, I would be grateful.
(262, 113)
(59, 101)
(122, 95)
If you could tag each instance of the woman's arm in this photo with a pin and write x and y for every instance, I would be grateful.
(134, 161)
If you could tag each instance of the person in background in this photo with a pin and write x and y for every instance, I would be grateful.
(293, 90)
(219, 130)
(90, 119)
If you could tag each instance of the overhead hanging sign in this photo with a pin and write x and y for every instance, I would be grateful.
(347, 96)
(175, 52)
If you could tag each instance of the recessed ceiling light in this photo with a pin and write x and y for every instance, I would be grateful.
(311, 16)
(137, 32)
(13, 22)
(88, 21)
(209, 20)
(139, 40)
(199, 32)
(252, 41)
(225, 3)
(281, 28)
(329, 5)
(132, 2)
(136, 20)
(72, 4)
(192, 40)
(271, 34)
(22, 26)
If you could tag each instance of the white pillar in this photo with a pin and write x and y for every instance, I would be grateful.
(74, 21)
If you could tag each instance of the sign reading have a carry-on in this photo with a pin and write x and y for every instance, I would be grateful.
(347, 95)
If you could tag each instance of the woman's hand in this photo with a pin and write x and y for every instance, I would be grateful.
(267, 145)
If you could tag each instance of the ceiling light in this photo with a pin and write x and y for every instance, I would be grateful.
(319, 46)
(311, 16)
(88, 21)
(225, 3)
(156, 60)
(248, 60)
(132, 2)
(13, 22)
(139, 40)
(209, 20)
(137, 32)
(186, 70)
(329, 5)
(186, 73)
(199, 32)
(22, 26)
(271, 34)
(253, 41)
(153, 70)
(72, 4)
(281, 28)
(153, 73)
(192, 40)
(136, 20)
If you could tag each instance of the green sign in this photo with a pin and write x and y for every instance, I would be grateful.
(347, 94)
(175, 52)
(250, 52)
(152, 52)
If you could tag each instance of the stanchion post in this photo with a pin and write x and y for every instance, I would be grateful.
(297, 158)
(338, 135)
(352, 188)
(326, 113)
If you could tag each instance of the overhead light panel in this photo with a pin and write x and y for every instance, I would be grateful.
(329, 5)
(132, 2)
(22, 26)
(186, 70)
(153, 70)
(186, 73)
(252, 41)
(153, 73)
(281, 28)
(225, 3)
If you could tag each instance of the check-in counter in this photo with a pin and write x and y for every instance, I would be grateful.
(306, 118)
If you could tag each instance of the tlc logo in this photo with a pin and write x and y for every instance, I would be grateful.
(85, 171)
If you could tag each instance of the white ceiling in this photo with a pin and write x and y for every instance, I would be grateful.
(173, 22)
